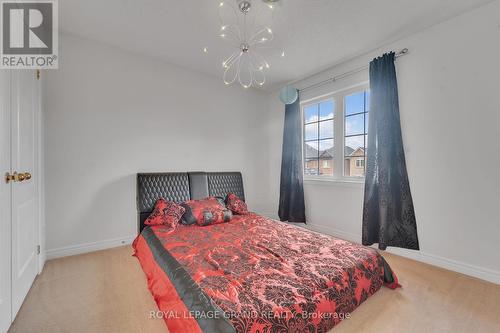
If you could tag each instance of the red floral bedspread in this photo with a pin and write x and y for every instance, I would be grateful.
(269, 276)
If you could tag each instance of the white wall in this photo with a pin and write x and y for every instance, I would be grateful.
(110, 114)
(450, 113)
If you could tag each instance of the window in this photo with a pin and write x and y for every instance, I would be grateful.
(318, 138)
(335, 131)
(360, 163)
(356, 129)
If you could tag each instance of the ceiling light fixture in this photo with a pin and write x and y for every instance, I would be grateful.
(245, 65)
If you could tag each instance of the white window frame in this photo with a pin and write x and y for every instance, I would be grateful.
(360, 165)
(338, 133)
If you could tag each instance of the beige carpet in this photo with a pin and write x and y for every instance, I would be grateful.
(106, 291)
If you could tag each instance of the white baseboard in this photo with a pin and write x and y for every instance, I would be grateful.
(87, 247)
(335, 232)
(42, 258)
(431, 259)
(271, 215)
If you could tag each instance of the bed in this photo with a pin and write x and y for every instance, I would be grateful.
(252, 274)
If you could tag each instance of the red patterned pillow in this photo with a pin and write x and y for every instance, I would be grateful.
(205, 212)
(236, 205)
(165, 213)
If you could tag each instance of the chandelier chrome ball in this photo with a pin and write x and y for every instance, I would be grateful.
(245, 6)
(245, 47)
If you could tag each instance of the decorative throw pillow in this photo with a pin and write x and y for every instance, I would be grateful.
(205, 212)
(236, 205)
(165, 213)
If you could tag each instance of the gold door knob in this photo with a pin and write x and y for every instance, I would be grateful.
(17, 177)
(10, 177)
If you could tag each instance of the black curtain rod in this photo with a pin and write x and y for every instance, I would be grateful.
(349, 73)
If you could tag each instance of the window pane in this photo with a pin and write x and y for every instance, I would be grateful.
(311, 150)
(355, 124)
(360, 162)
(325, 146)
(326, 167)
(311, 167)
(348, 151)
(355, 145)
(318, 138)
(311, 132)
(326, 129)
(347, 167)
(311, 113)
(326, 110)
(355, 103)
(357, 167)
(356, 127)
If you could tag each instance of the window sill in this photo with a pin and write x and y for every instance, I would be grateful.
(358, 183)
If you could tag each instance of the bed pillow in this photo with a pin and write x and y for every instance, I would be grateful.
(236, 205)
(205, 212)
(165, 213)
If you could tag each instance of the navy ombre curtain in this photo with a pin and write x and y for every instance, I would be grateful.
(388, 213)
(291, 205)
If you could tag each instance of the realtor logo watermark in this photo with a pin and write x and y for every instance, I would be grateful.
(29, 37)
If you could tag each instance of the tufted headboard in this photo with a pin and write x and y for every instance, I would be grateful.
(183, 186)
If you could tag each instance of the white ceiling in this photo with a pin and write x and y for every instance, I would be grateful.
(316, 33)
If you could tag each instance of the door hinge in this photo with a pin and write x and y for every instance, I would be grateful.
(38, 249)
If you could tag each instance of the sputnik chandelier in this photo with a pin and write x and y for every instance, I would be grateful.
(243, 31)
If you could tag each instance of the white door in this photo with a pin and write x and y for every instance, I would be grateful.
(5, 203)
(24, 113)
